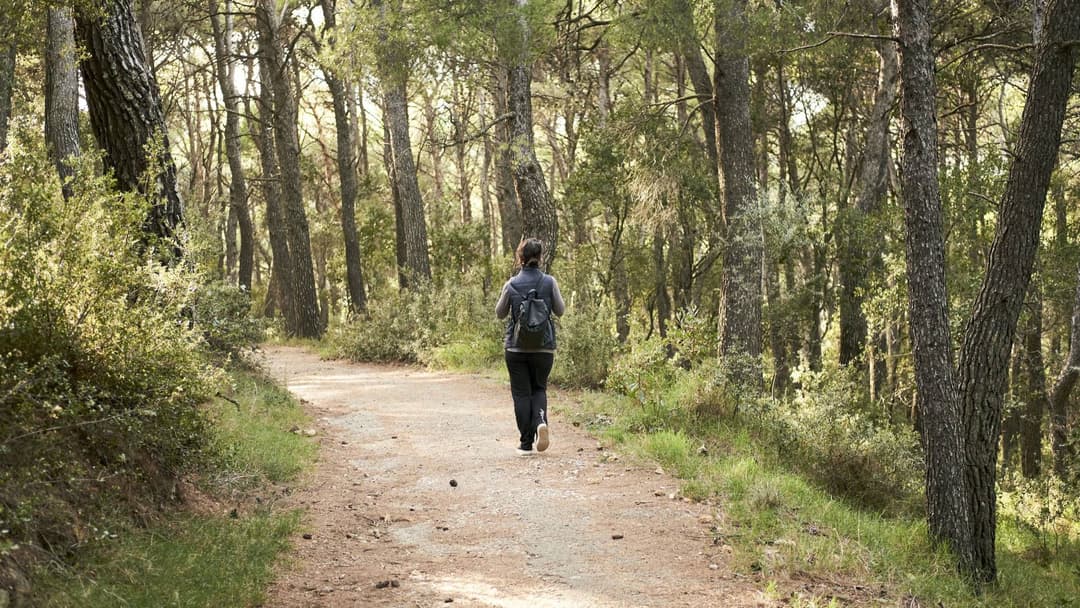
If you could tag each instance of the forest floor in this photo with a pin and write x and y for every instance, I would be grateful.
(419, 499)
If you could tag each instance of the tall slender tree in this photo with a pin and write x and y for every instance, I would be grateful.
(61, 94)
(225, 68)
(306, 321)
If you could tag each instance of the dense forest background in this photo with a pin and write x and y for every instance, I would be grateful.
(852, 221)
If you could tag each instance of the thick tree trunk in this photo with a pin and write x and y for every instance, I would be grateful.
(400, 257)
(126, 114)
(346, 162)
(984, 354)
(537, 206)
(7, 86)
(740, 280)
(238, 195)
(62, 95)
(1036, 402)
(860, 255)
(413, 224)
(947, 497)
(505, 194)
(306, 320)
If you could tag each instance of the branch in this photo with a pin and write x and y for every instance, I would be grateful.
(834, 35)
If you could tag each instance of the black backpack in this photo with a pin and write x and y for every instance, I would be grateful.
(532, 320)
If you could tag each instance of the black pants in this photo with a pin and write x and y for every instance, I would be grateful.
(528, 385)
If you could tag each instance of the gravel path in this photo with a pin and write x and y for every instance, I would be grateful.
(419, 499)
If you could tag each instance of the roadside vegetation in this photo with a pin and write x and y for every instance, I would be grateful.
(818, 494)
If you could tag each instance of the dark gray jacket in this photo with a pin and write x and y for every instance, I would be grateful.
(515, 290)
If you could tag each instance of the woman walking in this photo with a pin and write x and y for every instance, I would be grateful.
(530, 364)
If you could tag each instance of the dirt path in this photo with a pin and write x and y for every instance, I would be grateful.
(418, 488)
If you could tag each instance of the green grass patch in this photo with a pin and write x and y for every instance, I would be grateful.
(259, 438)
(783, 527)
(187, 559)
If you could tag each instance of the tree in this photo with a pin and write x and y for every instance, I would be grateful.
(306, 321)
(537, 206)
(221, 23)
(61, 94)
(346, 161)
(7, 82)
(741, 274)
(126, 114)
(393, 74)
(947, 499)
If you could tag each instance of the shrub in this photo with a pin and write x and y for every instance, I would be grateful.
(586, 346)
(100, 370)
(222, 313)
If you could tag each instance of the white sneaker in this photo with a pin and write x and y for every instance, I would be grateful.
(524, 452)
(542, 439)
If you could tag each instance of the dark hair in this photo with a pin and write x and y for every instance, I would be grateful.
(530, 252)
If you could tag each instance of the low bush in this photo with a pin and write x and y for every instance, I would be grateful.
(586, 346)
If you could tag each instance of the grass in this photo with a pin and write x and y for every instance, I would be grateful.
(188, 559)
(789, 532)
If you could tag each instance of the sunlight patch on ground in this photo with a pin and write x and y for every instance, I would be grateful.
(536, 597)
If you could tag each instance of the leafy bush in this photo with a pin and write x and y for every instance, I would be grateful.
(586, 346)
(222, 313)
(100, 368)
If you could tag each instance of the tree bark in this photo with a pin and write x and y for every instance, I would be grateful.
(690, 49)
(860, 255)
(1035, 402)
(270, 184)
(306, 320)
(505, 194)
(346, 162)
(1063, 386)
(947, 497)
(410, 202)
(7, 86)
(126, 116)
(238, 195)
(62, 95)
(740, 280)
(537, 207)
(984, 353)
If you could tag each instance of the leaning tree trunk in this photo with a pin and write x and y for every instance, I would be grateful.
(740, 279)
(237, 184)
(947, 498)
(307, 322)
(690, 51)
(410, 202)
(61, 95)
(346, 161)
(7, 85)
(537, 206)
(126, 115)
(860, 256)
(984, 354)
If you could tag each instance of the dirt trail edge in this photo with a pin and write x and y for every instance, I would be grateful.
(418, 499)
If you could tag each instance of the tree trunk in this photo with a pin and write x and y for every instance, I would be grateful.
(860, 253)
(62, 95)
(537, 206)
(690, 50)
(7, 86)
(238, 195)
(660, 290)
(1035, 402)
(126, 115)
(346, 162)
(1059, 395)
(270, 184)
(947, 498)
(306, 320)
(984, 354)
(509, 205)
(740, 280)
(413, 224)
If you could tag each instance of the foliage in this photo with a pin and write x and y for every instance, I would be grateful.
(223, 313)
(586, 345)
(100, 367)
